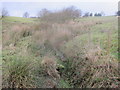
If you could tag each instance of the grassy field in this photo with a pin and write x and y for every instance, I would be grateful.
(20, 20)
(82, 53)
(100, 33)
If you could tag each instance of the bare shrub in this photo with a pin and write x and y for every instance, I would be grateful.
(45, 26)
(49, 65)
(42, 26)
(43, 13)
(20, 31)
(62, 15)
(41, 37)
(54, 37)
(60, 37)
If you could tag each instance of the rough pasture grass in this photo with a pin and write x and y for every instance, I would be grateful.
(99, 33)
(79, 47)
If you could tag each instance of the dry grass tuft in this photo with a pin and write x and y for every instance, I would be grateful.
(17, 73)
(49, 65)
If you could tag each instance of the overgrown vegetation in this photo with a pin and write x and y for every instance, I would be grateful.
(79, 52)
(59, 16)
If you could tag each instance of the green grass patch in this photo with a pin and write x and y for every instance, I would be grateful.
(19, 19)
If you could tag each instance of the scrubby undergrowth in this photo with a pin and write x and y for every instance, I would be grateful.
(60, 55)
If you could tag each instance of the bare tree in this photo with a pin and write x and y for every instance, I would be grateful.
(61, 15)
(4, 13)
(26, 15)
(43, 13)
(72, 12)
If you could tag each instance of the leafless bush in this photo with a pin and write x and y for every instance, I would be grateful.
(60, 37)
(16, 32)
(50, 65)
(43, 13)
(4, 13)
(61, 16)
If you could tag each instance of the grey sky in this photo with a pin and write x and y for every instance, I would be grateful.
(18, 8)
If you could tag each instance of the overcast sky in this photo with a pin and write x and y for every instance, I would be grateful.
(33, 6)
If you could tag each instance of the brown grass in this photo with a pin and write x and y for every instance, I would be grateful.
(49, 65)
(87, 66)
(15, 33)
(97, 70)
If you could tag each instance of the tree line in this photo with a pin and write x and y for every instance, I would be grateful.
(66, 12)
